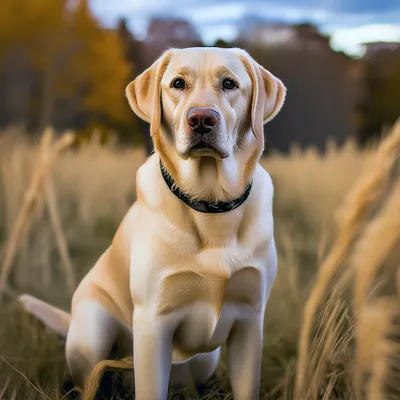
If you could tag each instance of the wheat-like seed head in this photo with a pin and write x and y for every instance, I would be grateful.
(352, 217)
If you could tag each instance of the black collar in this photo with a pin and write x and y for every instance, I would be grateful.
(201, 205)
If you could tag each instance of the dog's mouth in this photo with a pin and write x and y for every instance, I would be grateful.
(203, 149)
(203, 146)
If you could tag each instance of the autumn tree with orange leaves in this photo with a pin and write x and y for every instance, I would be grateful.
(60, 67)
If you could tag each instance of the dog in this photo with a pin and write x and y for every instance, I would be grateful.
(193, 262)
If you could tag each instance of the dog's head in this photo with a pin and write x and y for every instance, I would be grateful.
(206, 102)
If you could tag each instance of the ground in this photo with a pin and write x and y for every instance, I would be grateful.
(308, 189)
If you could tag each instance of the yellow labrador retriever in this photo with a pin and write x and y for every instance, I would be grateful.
(192, 264)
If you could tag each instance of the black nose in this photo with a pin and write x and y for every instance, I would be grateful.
(202, 120)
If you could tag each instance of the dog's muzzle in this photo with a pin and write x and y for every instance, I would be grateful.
(203, 123)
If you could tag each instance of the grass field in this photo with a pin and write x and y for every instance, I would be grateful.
(346, 262)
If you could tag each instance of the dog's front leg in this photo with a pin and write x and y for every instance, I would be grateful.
(245, 344)
(152, 356)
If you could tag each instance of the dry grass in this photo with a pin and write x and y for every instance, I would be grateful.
(356, 286)
(349, 289)
(93, 188)
(41, 184)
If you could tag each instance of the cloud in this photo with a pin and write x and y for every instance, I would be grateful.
(206, 11)
(147, 7)
(351, 38)
(366, 6)
(220, 18)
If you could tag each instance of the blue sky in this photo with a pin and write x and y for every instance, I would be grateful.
(349, 22)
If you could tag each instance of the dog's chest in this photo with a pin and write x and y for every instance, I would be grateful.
(184, 288)
(208, 305)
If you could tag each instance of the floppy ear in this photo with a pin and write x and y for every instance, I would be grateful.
(144, 93)
(268, 94)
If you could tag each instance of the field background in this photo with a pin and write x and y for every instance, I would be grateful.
(94, 187)
(332, 324)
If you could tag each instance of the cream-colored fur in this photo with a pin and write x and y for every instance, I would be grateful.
(176, 284)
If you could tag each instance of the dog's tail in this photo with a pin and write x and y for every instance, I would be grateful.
(53, 317)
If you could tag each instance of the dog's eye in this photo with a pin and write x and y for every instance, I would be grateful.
(178, 83)
(229, 84)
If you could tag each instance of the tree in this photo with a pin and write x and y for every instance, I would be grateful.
(60, 67)
(29, 34)
(381, 105)
(223, 44)
(101, 70)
